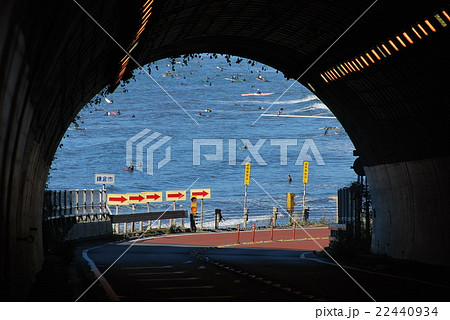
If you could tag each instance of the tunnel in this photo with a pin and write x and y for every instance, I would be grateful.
(380, 66)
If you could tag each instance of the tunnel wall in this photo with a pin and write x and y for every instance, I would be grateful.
(22, 169)
(412, 209)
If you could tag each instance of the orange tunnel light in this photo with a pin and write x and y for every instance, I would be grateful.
(350, 67)
(446, 15)
(360, 64)
(422, 29)
(386, 49)
(370, 58)
(407, 37)
(344, 68)
(336, 73)
(364, 60)
(356, 66)
(330, 75)
(400, 40)
(417, 34)
(430, 25)
(393, 45)
(376, 54)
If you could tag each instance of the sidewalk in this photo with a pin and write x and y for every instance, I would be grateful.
(309, 239)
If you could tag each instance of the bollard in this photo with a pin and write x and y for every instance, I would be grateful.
(306, 214)
(293, 231)
(246, 212)
(238, 233)
(271, 232)
(274, 215)
(253, 233)
(218, 218)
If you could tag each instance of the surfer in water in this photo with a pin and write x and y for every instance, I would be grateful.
(131, 166)
(289, 178)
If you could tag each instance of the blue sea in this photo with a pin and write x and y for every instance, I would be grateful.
(186, 150)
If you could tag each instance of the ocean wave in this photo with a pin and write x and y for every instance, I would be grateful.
(310, 97)
(270, 101)
(312, 107)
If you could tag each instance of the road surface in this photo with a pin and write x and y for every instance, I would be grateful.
(213, 267)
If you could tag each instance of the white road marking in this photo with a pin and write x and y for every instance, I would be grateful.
(140, 268)
(109, 290)
(169, 279)
(156, 273)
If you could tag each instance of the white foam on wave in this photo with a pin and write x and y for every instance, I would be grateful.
(310, 97)
(312, 107)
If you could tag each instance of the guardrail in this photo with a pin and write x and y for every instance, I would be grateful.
(354, 213)
(120, 222)
(75, 214)
(74, 202)
(76, 207)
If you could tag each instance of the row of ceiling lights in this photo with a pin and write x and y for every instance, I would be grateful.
(145, 15)
(402, 40)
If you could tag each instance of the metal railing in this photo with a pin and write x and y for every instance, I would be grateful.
(354, 213)
(59, 203)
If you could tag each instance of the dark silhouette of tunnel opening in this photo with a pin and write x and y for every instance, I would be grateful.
(54, 59)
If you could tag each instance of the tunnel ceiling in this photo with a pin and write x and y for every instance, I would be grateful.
(395, 109)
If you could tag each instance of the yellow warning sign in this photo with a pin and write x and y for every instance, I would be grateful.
(247, 173)
(305, 171)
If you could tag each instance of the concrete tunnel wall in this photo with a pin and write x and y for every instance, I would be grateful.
(54, 59)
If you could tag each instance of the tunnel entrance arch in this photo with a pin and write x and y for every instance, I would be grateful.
(395, 110)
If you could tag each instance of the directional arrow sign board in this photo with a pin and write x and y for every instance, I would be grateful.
(201, 193)
(177, 195)
(136, 198)
(153, 196)
(117, 199)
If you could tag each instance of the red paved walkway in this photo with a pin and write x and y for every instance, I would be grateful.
(282, 239)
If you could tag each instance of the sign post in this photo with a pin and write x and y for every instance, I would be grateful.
(305, 181)
(246, 183)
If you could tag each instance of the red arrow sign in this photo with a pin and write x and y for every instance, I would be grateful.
(153, 196)
(121, 199)
(175, 195)
(203, 193)
(138, 198)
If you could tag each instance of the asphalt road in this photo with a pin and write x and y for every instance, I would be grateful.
(176, 272)
(158, 272)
